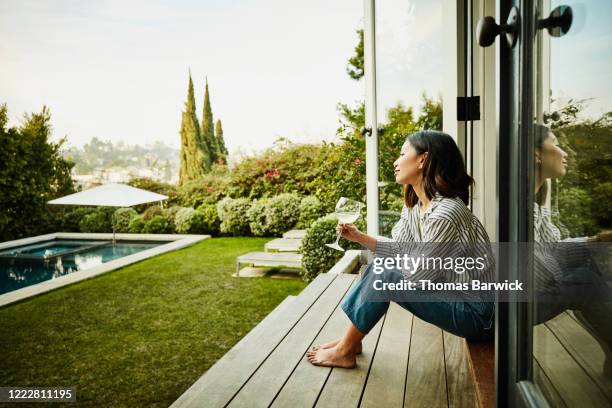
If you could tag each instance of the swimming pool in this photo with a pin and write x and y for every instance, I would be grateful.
(27, 265)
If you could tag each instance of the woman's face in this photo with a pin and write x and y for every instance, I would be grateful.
(409, 165)
(551, 159)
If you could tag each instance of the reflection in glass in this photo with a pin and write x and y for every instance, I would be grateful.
(572, 343)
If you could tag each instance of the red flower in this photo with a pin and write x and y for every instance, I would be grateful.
(210, 189)
(357, 161)
(220, 161)
(272, 173)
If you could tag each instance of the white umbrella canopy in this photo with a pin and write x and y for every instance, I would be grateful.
(110, 195)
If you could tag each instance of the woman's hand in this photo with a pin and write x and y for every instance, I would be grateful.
(349, 232)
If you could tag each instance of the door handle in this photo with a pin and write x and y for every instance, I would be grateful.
(487, 29)
(558, 22)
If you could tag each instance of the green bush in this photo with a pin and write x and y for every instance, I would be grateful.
(316, 257)
(137, 225)
(282, 213)
(71, 220)
(152, 211)
(311, 209)
(208, 189)
(232, 213)
(123, 216)
(183, 220)
(208, 219)
(257, 217)
(99, 220)
(157, 225)
(155, 186)
(170, 215)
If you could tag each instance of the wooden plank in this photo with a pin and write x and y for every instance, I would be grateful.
(481, 358)
(219, 384)
(283, 245)
(583, 347)
(574, 385)
(295, 234)
(345, 386)
(459, 381)
(426, 380)
(276, 259)
(262, 387)
(387, 378)
(547, 388)
(306, 382)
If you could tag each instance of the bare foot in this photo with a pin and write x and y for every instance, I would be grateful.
(332, 357)
(333, 344)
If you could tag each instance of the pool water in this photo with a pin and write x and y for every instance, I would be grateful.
(30, 264)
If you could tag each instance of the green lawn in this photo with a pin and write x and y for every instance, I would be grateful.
(141, 335)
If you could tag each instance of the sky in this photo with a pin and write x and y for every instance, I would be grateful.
(118, 70)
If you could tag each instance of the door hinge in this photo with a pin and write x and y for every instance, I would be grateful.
(468, 108)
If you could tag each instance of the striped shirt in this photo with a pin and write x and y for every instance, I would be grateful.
(554, 257)
(457, 232)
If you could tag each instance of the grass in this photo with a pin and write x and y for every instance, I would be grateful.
(141, 335)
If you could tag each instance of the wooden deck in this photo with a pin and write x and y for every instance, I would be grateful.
(568, 364)
(405, 361)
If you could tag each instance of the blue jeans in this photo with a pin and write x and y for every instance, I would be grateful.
(470, 319)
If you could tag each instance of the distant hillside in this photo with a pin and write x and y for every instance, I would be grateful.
(119, 162)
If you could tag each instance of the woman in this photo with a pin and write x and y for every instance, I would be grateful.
(436, 191)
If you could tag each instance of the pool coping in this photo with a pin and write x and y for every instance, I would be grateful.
(178, 241)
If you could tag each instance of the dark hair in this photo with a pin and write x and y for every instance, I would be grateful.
(443, 170)
(541, 133)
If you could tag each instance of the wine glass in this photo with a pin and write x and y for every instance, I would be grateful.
(348, 212)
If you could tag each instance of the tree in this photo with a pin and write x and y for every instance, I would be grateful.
(208, 135)
(220, 141)
(195, 155)
(32, 172)
(355, 68)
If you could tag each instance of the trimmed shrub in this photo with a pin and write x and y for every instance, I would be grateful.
(311, 209)
(207, 219)
(151, 212)
(316, 257)
(282, 213)
(97, 221)
(183, 220)
(232, 213)
(170, 214)
(137, 224)
(71, 220)
(123, 216)
(157, 225)
(257, 217)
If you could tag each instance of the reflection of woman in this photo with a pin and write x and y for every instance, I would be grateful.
(436, 190)
(564, 275)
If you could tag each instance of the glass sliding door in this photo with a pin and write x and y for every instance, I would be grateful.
(555, 167)
(408, 65)
(571, 140)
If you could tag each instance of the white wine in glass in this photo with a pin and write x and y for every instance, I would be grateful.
(348, 212)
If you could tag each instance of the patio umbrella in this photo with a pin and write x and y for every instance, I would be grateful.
(111, 195)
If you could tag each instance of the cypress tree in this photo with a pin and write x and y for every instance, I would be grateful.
(220, 141)
(207, 127)
(195, 156)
